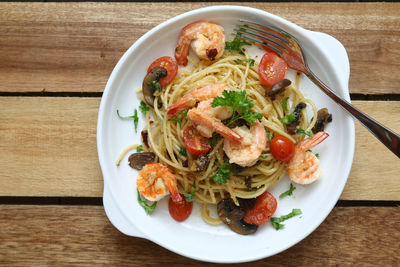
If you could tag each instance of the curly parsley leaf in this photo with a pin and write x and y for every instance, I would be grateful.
(276, 222)
(139, 148)
(236, 44)
(222, 175)
(287, 119)
(179, 120)
(301, 131)
(184, 112)
(269, 135)
(248, 60)
(240, 103)
(154, 85)
(189, 196)
(182, 151)
(147, 208)
(134, 117)
(144, 108)
(317, 155)
(288, 192)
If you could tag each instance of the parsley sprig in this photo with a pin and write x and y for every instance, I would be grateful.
(276, 222)
(189, 196)
(248, 60)
(134, 117)
(147, 208)
(240, 103)
(288, 192)
(301, 131)
(288, 118)
(144, 108)
(236, 44)
(222, 175)
(156, 86)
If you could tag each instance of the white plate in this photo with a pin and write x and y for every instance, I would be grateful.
(194, 238)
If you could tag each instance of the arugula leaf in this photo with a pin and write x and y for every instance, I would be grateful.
(276, 222)
(134, 117)
(154, 85)
(236, 44)
(182, 151)
(288, 119)
(284, 103)
(144, 108)
(147, 208)
(139, 148)
(248, 60)
(288, 192)
(222, 175)
(240, 103)
(301, 131)
(179, 120)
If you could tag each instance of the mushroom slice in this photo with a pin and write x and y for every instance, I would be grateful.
(150, 84)
(323, 117)
(292, 127)
(278, 87)
(232, 216)
(201, 163)
(139, 160)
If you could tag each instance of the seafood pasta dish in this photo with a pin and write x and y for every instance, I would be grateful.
(223, 126)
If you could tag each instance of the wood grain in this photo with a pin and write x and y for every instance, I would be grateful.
(48, 148)
(65, 235)
(73, 47)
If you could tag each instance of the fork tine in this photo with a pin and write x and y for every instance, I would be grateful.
(261, 37)
(244, 36)
(270, 32)
(270, 27)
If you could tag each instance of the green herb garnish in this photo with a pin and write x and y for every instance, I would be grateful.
(317, 155)
(248, 60)
(301, 131)
(189, 196)
(179, 120)
(182, 151)
(184, 112)
(287, 119)
(144, 108)
(222, 175)
(236, 44)
(139, 148)
(288, 192)
(240, 103)
(284, 103)
(269, 135)
(276, 222)
(149, 209)
(156, 86)
(134, 117)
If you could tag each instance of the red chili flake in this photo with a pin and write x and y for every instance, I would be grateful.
(151, 122)
(145, 135)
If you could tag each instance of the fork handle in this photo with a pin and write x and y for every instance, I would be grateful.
(389, 138)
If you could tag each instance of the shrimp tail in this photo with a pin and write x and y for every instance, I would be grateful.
(313, 141)
(199, 117)
(182, 104)
(170, 182)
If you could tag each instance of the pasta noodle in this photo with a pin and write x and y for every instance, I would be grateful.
(166, 136)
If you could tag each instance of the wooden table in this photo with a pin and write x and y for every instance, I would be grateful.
(55, 59)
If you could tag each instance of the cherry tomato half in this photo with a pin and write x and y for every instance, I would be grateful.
(272, 69)
(195, 143)
(262, 211)
(282, 148)
(169, 64)
(180, 211)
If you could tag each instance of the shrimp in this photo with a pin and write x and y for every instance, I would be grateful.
(156, 181)
(207, 39)
(207, 124)
(248, 152)
(189, 100)
(303, 167)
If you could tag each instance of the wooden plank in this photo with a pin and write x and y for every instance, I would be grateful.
(48, 148)
(73, 47)
(53, 235)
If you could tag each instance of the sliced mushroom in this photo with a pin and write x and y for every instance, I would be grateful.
(246, 203)
(323, 117)
(278, 87)
(150, 82)
(139, 160)
(292, 127)
(232, 216)
(201, 163)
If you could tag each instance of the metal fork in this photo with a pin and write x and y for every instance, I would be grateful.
(286, 45)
